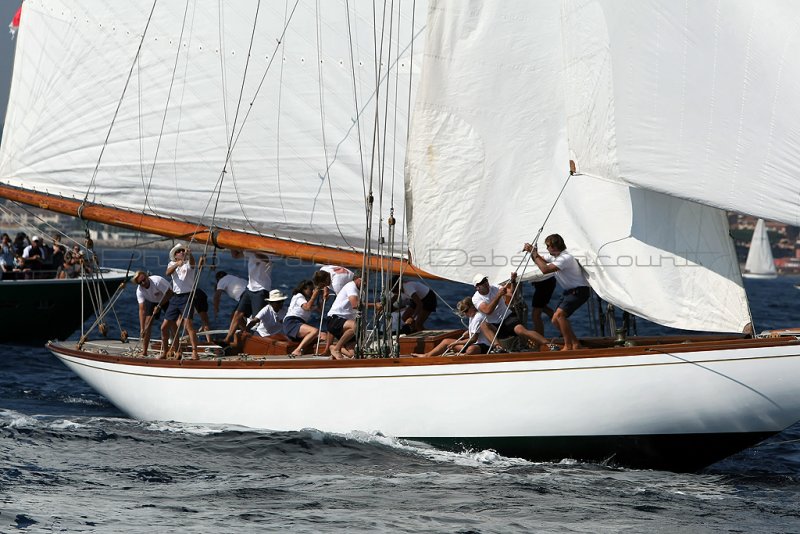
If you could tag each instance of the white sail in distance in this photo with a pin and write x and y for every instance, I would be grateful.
(494, 129)
(760, 262)
(310, 99)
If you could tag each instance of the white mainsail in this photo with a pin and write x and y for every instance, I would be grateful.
(500, 112)
(760, 263)
(298, 102)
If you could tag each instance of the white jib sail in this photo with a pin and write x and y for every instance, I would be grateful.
(759, 257)
(299, 102)
(488, 155)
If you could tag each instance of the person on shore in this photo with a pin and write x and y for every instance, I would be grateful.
(6, 257)
(422, 302)
(490, 300)
(34, 254)
(152, 294)
(296, 323)
(570, 277)
(476, 343)
(179, 313)
(20, 243)
(253, 299)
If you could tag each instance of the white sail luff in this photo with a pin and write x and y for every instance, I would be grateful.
(760, 262)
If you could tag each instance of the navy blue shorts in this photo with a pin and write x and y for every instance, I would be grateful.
(200, 302)
(335, 325)
(177, 307)
(428, 302)
(543, 292)
(484, 347)
(251, 302)
(572, 299)
(291, 327)
(149, 308)
(507, 328)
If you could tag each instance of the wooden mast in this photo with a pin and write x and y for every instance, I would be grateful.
(221, 238)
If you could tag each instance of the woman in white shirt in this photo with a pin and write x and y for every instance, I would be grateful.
(296, 324)
(477, 342)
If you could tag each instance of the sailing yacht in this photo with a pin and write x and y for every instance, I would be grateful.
(285, 129)
(760, 263)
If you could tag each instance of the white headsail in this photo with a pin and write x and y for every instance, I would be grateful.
(499, 115)
(294, 86)
(694, 99)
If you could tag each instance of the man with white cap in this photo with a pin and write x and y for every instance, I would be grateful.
(490, 300)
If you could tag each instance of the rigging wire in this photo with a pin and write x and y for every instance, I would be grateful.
(328, 162)
(278, 120)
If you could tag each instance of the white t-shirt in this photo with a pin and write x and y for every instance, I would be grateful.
(499, 313)
(30, 250)
(232, 285)
(182, 278)
(158, 288)
(259, 273)
(341, 306)
(296, 307)
(340, 276)
(270, 322)
(474, 326)
(569, 274)
(415, 288)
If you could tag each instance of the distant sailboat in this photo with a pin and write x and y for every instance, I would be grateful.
(760, 263)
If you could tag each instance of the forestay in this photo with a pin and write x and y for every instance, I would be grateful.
(499, 115)
(301, 114)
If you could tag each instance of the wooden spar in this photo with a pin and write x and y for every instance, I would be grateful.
(234, 239)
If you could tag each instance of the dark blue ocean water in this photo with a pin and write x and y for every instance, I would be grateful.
(71, 462)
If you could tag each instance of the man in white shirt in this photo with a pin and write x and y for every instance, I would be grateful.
(259, 283)
(152, 294)
(268, 322)
(179, 312)
(422, 302)
(571, 279)
(490, 300)
(229, 284)
(341, 320)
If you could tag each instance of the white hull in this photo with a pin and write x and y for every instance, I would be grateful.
(698, 392)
